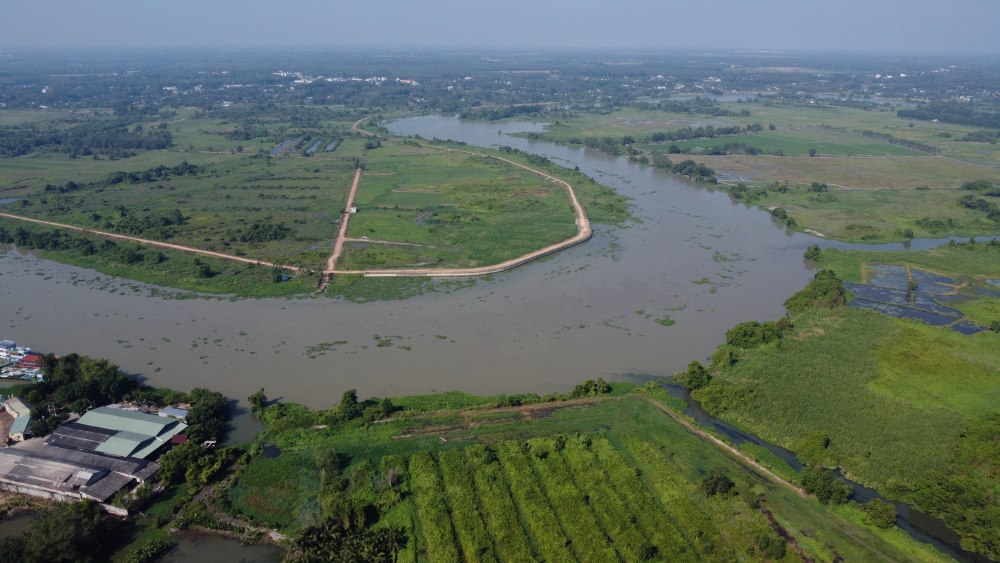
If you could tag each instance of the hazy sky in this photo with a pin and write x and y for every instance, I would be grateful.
(924, 26)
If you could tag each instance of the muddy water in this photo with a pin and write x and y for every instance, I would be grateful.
(194, 547)
(589, 312)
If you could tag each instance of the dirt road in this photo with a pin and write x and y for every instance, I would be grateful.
(583, 228)
(149, 242)
(338, 245)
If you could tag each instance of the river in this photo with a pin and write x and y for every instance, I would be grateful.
(591, 311)
(587, 312)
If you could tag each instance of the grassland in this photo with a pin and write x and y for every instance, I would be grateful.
(901, 406)
(215, 190)
(885, 173)
(601, 478)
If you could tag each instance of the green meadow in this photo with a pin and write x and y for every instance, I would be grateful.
(221, 187)
(903, 407)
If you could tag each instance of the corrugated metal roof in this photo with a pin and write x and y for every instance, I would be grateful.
(124, 443)
(118, 419)
(20, 424)
(71, 472)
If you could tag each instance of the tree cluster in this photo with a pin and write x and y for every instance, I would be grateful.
(825, 291)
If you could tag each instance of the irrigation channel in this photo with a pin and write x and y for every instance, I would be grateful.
(694, 256)
(919, 525)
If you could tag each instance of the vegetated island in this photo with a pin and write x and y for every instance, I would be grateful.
(241, 211)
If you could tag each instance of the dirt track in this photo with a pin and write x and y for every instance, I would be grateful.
(150, 242)
(584, 230)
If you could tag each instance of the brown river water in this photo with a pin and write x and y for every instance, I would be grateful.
(587, 312)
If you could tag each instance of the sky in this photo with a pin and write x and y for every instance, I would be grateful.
(881, 26)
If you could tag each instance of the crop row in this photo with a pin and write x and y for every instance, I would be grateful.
(499, 511)
(651, 516)
(590, 542)
(617, 518)
(470, 528)
(435, 519)
(540, 520)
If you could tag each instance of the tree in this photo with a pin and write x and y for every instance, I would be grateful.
(825, 291)
(716, 482)
(208, 415)
(335, 543)
(813, 252)
(812, 152)
(879, 513)
(695, 377)
(349, 408)
(825, 485)
(258, 401)
(68, 532)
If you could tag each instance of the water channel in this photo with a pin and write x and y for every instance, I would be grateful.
(693, 255)
(919, 525)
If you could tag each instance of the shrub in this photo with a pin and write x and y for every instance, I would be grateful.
(825, 485)
(825, 291)
(716, 482)
(752, 334)
(879, 513)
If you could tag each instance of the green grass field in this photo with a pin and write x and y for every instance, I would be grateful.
(456, 209)
(896, 403)
(613, 478)
(873, 197)
(874, 216)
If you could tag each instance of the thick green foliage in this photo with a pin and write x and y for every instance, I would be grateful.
(695, 377)
(752, 334)
(825, 485)
(880, 513)
(716, 482)
(825, 291)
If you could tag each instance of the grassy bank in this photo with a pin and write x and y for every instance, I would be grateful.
(902, 407)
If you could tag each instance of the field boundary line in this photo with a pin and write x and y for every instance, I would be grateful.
(150, 242)
(583, 228)
(726, 448)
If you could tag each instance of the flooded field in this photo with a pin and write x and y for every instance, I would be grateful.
(694, 257)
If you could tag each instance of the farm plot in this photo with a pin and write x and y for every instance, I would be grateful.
(452, 209)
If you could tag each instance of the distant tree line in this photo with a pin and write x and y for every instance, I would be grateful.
(112, 137)
(953, 112)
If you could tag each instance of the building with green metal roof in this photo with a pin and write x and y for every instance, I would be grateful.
(135, 434)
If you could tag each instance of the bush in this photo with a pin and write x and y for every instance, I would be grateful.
(879, 513)
(825, 485)
(695, 377)
(752, 334)
(825, 291)
(716, 482)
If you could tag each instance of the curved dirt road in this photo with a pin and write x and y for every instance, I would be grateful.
(583, 230)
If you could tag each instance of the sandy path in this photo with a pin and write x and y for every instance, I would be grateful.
(726, 448)
(583, 228)
(338, 245)
(149, 242)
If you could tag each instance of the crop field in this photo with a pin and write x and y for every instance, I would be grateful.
(462, 210)
(887, 175)
(847, 386)
(595, 479)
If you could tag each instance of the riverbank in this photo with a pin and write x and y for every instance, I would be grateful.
(903, 407)
(541, 459)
